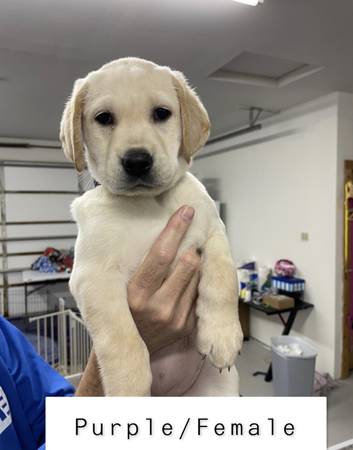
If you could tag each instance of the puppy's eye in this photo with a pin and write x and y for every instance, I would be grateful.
(161, 114)
(105, 118)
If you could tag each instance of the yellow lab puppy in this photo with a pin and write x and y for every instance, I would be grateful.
(136, 126)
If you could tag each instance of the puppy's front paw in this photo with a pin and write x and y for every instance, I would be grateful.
(220, 342)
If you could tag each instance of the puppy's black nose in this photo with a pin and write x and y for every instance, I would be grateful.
(137, 162)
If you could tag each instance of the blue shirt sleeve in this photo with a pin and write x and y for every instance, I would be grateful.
(33, 377)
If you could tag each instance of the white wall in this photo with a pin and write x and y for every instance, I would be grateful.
(279, 182)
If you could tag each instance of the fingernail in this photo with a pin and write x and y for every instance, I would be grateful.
(187, 213)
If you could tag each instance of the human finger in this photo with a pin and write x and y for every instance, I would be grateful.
(154, 268)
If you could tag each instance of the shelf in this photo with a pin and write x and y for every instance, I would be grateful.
(299, 305)
(37, 164)
(38, 238)
(43, 192)
(42, 222)
(20, 269)
(21, 254)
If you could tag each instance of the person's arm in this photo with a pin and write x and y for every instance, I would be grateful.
(162, 303)
(90, 384)
(32, 377)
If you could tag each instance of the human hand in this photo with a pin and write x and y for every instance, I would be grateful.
(162, 301)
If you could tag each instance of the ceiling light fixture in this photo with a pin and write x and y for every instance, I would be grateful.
(249, 2)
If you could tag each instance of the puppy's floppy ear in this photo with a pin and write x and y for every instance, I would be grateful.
(194, 118)
(71, 126)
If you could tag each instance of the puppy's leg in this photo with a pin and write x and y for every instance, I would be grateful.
(219, 331)
(121, 352)
(211, 383)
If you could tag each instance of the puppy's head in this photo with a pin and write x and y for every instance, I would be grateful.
(135, 125)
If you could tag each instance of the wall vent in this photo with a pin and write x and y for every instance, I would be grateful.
(263, 70)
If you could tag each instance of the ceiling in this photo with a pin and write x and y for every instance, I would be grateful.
(45, 45)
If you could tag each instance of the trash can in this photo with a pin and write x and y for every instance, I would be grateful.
(293, 374)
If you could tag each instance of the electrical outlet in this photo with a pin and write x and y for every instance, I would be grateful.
(304, 236)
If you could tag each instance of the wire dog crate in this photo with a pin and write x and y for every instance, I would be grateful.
(63, 340)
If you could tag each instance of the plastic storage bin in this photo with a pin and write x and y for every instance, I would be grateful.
(288, 284)
(293, 375)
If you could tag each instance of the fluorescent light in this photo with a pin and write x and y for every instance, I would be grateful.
(249, 2)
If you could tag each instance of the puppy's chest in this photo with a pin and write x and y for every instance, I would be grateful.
(127, 233)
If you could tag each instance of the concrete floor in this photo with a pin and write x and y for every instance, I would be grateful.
(255, 356)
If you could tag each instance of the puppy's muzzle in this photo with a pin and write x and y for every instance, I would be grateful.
(137, 162)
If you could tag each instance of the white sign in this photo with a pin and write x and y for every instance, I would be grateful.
(129, 423)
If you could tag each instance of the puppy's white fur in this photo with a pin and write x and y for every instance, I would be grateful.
(119, 221)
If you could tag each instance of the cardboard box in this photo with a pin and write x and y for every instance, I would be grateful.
(278, 301)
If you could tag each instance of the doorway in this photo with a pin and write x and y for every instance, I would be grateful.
(347, 357)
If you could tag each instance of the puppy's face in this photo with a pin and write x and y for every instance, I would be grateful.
(132, 129)
(135, 125)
